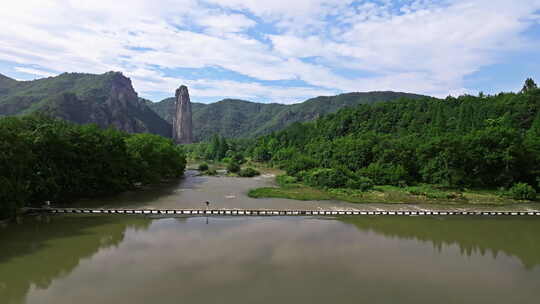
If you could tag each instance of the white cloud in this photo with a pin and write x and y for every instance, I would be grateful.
(425, 47)
(430, 48)
(152, 81)
(280, 9)
(222, 24)
(35, 72)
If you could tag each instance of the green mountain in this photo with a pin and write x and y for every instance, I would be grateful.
(5, 83)
(469, 141)
(106, 100)
(240, 118)
(110, 100)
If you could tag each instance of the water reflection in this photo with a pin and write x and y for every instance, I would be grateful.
(101, 259)
(39, 250)
(512, 236)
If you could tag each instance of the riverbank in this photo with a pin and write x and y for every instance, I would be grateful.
(224, 192)
(424, 194)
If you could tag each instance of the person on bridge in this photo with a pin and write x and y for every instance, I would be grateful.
(207, 204)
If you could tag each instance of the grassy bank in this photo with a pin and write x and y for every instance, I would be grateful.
(423, 194)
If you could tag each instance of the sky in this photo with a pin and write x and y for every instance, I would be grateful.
(281, 51)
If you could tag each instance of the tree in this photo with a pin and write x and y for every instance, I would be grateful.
(44, 159)
(154, 157)
(233, 167)
(532, 150)
(529, 85)
(223, 147)
(486, 141)
(214, 147)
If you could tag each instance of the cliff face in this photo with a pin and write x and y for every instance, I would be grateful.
(182, 122)
(107, 100)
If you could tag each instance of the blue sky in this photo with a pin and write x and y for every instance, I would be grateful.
(277, 50)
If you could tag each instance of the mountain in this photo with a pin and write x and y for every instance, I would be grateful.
(6, 83)
(240, 118)
(470, 141)
(106, 100)
(110, 100)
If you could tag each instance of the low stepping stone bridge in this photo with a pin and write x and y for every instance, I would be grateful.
(263, 212)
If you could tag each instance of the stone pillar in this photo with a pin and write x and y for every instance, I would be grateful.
(182, 123)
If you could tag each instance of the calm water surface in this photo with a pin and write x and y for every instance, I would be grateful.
(193, 191)
(120, 259)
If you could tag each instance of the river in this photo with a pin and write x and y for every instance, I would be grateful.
(194, 190)
(129, 259)
(222, 192)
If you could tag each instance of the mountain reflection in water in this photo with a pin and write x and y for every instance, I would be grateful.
(117, 259)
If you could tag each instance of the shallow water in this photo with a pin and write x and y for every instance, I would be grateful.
(222, 192)
(119, 259)
(193, 191)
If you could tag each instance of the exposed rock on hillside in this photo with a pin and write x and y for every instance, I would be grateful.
(182, 123)
(107, 100)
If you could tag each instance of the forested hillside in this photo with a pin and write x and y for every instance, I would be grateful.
(106, 100)
(233, 118)
(6, 83)
(484, 141)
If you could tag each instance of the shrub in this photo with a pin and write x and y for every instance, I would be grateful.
(284, 180)
(203, 167)
(261, 154)
(385, 174)
(301, 176)
(522, 191)
(248, 172)
(429, 191)
(239, 158)
(284, 154)
(361, 183)
(299, 163)
(325, 178)
(212, 172)
(233, 167)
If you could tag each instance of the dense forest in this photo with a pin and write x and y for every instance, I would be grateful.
(45, 159)
(473, 141)
(488, 142)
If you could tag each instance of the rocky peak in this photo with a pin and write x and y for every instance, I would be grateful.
(122, 92)
(182, 122)
(182, 91)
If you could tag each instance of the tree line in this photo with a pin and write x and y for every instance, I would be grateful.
(45, 159)
(468, 141)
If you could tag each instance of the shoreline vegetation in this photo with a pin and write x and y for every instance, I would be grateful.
(289, 188)
(245, 168)
(392, 195)
(50, 160)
